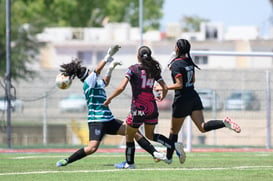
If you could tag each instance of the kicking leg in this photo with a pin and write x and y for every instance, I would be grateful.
(79, 154)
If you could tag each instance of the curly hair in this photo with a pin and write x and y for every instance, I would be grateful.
(150, 65)
(74, 69)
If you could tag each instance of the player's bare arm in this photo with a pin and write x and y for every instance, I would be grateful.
(118, 91)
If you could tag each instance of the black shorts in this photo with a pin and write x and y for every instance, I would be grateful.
(184, 106)
(97, 130)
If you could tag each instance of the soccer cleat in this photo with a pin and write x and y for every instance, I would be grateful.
(168, 161)
(124, 165)
(159, 156)
(232, 125)
(156, 160)
(62, 163)
(179, 148)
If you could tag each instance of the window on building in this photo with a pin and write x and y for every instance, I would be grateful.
(77, 34)
(201, 60)
(211, 32)
(100, 55)
(85, 57)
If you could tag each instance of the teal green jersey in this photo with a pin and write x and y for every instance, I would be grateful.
(95, 95)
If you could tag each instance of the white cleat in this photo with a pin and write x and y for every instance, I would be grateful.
(159, 156)
(232, 125)
(179, 148)
(168, 161)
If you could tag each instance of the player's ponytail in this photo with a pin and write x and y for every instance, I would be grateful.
(151, 66)
(74, 69)
(184, 47)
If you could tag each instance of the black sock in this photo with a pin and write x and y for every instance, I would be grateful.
(163, 140)
(77, 155)
(146, 145)
(173, 138)
(213, 124)
(130, 152)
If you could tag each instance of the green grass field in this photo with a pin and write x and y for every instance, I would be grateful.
(199, 166)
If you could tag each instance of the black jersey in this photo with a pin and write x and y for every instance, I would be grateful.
(181, 67)
(186, 99)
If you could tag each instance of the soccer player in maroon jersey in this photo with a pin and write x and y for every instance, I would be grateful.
(142, 77)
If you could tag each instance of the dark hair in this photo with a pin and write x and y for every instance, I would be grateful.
(150, 65)
(74, 69)
(184, 47)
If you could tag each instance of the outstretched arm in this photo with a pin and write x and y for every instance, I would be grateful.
(108, 58)
(100, 66)
(177, 85)
(110, 69)
(118, 91)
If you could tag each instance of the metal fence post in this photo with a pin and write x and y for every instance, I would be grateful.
(268, 111)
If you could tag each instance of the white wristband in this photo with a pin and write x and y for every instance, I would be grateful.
(109, 72)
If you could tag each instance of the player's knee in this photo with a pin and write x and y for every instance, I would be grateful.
(174, 131)
(150, 136)
(202, 130)
(90, 149)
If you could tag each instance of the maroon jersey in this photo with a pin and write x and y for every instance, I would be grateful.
(143, 106)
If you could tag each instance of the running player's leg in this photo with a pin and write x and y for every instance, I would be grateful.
(130, 149)
(198, 119)
(141, 140)
(79, 154)
(92, 147)
(149, 132)
(176, 124)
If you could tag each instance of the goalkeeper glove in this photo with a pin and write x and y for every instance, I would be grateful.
(111, 51)
(112, 67)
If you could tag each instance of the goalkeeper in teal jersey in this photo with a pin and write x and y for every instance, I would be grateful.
(100, 118)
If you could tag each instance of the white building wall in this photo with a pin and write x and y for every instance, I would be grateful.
(66, 43)
(242, 33)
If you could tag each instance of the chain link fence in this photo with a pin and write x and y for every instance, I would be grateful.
(41, 121)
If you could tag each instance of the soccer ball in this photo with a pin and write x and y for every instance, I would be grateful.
(62, 81)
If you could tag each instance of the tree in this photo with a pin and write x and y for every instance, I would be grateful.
(24, 47)
(29, 17)
(88, 13)
(192, 23)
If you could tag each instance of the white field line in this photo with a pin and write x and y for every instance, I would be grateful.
(107, 156)
(145, 169)
(60, 156)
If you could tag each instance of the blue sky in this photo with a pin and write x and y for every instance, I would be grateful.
(230, 12)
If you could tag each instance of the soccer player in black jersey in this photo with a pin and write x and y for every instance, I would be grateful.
(142, 77)
(186, 100)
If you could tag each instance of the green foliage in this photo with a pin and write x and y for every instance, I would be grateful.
(192, 23)
(35, 15)
(128, 11)
(24, 46)
(87, 13)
